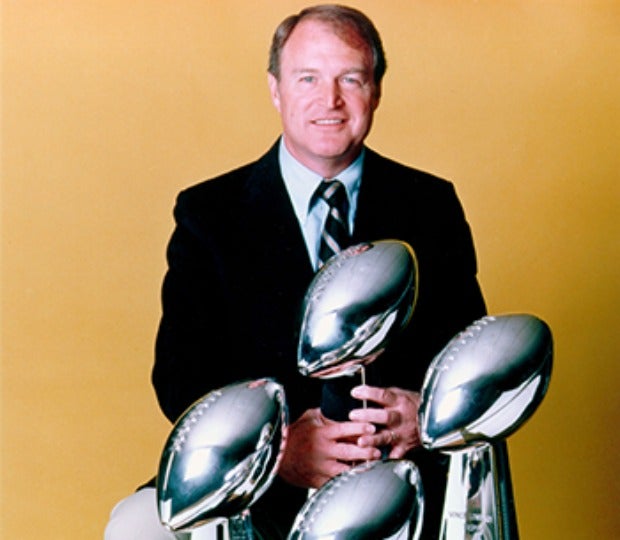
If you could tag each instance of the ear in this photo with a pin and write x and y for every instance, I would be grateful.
(274, 90)
(376, 98)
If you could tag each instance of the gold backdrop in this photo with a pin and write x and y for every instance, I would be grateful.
(109, 107)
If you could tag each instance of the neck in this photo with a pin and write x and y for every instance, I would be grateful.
(325, 167)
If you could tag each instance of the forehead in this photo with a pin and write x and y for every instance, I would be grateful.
(315, 36)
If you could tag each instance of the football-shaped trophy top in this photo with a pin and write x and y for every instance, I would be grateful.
(486, 382)
(355, 304)
(221, 454)
(371, 501)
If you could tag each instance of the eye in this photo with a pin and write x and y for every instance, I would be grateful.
(308, 78)
(353, 80)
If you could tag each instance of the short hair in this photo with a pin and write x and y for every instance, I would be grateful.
(350, 24)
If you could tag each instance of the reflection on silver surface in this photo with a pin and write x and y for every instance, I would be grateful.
(372, 501)
(473, 507)
(354, 305)
(222, 454)
(486, 382)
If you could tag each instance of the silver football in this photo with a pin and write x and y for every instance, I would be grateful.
(486, 382)
(372, 501)
(221, 454)
(355, 304)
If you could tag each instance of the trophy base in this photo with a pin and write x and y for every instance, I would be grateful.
(479, 503)
(236, 528)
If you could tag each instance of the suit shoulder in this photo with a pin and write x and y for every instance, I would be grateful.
(402, 177)
(219, 186)
(229, 186)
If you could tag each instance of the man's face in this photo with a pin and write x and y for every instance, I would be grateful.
(326, 97)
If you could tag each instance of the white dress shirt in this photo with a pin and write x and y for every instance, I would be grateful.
(301, 183)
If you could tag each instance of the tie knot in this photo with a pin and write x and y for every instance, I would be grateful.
(334, 194)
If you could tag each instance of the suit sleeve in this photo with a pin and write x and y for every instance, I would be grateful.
(449, 294)
(193, 332)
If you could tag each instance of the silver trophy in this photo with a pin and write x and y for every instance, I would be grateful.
(355, 304)
(372, 501)
(486, 382)
(221, 456)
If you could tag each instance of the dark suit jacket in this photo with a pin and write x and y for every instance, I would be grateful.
(238, 271)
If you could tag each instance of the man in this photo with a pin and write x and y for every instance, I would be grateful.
(245, 249)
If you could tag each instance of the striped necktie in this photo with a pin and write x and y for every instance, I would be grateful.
(335, 235)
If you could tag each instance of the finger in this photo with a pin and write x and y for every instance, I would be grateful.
(354, 452)
(334, 468)
(381, 396)
(348, 430)
(372, 415)
(397, 452)
(392, 437)
(367, 392)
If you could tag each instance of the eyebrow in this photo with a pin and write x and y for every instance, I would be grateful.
(317, 70)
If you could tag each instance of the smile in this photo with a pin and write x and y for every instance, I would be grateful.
(328, 122)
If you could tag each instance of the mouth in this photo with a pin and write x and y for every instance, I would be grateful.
(328, 122)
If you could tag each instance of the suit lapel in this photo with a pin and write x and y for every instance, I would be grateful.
(269, 218)
(375, 216)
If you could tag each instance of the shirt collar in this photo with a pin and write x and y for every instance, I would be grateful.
(301, 182)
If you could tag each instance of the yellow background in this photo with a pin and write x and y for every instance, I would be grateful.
(109, 107)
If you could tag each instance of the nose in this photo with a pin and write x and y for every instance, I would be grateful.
(331, 94)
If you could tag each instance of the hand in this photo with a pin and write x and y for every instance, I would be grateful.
(318, 448)
(396, 418)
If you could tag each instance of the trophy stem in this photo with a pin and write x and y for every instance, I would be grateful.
(214, 530)
(508, 513)
(362, 371)
(479, 504)
(240, 526)
(237, 527)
